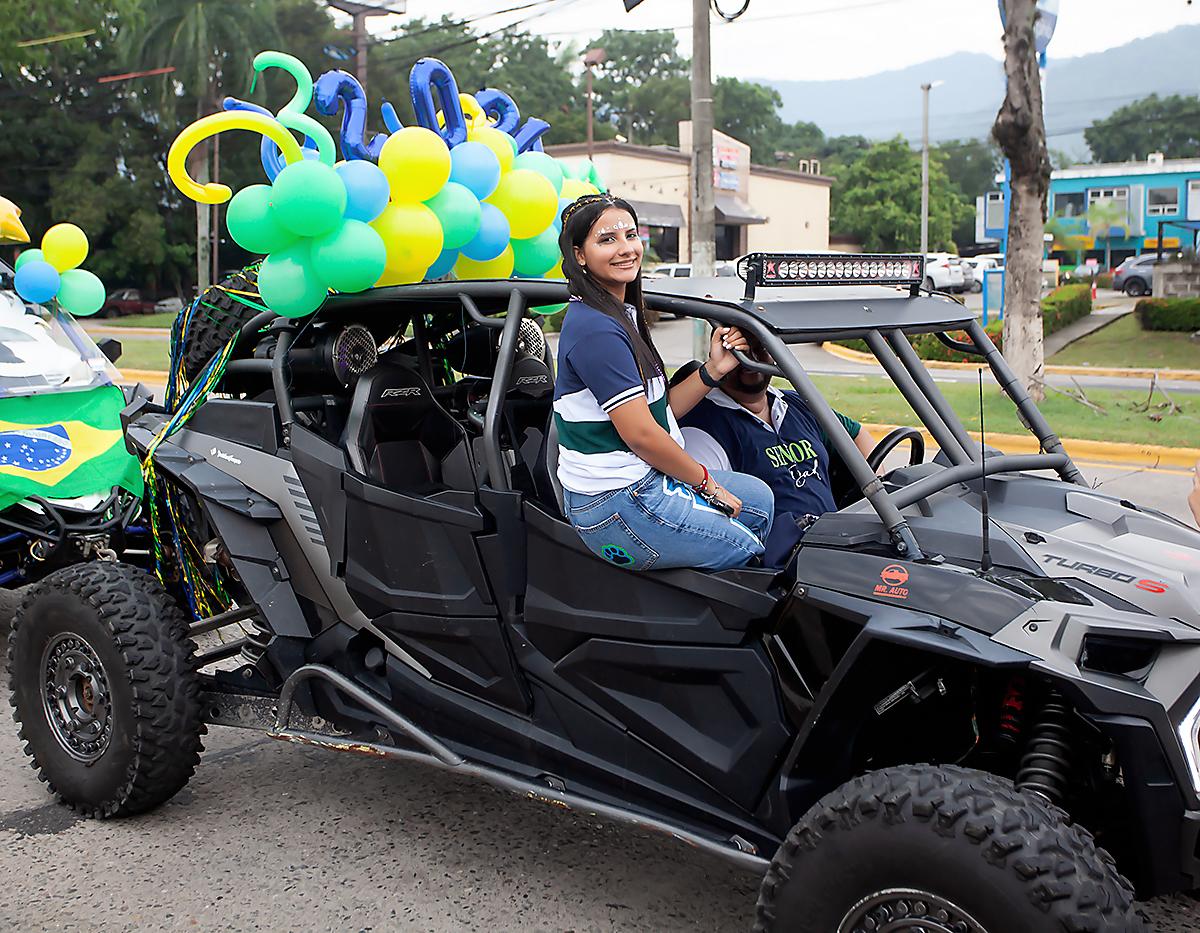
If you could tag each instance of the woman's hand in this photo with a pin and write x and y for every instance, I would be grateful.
(724, 495)
(721, 361)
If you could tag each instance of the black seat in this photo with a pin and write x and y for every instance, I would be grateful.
(399, 436)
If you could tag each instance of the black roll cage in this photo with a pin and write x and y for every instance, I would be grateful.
(881, 316)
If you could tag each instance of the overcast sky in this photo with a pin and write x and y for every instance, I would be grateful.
(826, 39)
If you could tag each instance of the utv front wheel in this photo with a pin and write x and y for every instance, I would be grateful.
(941, 850)
(104, 688)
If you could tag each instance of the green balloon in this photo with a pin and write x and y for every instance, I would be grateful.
(544, 165)
(288, 283)
(252, 222)
(28, 255)
(351, 258)
(80, 292)
(537, 255)
(547, 310)
(458, 209)
(309, 198)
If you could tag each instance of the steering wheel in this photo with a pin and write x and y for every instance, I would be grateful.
(893, 440)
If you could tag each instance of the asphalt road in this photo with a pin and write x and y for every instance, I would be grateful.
(276, 837)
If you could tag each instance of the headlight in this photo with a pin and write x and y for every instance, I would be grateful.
(1189, 736)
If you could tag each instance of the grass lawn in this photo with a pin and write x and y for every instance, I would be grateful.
(144, 353)
(876, 400)
(165, 319)
(1125, 344)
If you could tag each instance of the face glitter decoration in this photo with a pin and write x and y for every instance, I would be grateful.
(614, 227)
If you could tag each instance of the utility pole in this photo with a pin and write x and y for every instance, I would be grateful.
(702, 233)
(925, 89)
(359, 13)
(591, 58)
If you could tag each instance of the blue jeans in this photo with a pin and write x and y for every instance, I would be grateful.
(658, 522)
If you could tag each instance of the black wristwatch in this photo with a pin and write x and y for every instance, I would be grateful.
(707, 379)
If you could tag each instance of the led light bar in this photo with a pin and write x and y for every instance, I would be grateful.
(772, 270)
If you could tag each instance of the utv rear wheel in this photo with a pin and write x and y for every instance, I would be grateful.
(104, 688)
(941, 850)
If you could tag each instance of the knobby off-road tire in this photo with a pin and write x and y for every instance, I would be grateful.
(104, 688)
(217, 320)
(962, 850)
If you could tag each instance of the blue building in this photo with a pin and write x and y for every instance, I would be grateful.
(1117, 205)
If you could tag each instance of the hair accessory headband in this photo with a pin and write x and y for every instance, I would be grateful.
(584, 201)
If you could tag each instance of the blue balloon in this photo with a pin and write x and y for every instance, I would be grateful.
(500, 108)
(529, 136)
(367, 189)
(493, 235)
(37, 281)
(339, 86)
(426, 75)
(475, 166)
(443, 264)
(272, 159)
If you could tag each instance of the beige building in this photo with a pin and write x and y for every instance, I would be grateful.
(758, 208)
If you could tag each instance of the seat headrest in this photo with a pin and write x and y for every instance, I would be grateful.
(531, 378)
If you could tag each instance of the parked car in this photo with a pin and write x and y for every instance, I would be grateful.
(126, 301)
(683, 270)
(943, 273)
(171, 305)
(1135, 276)
(978, 266)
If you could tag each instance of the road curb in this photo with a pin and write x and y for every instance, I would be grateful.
(1140, 455)
(1181, 375)
(151, 376)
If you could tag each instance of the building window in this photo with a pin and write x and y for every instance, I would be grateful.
(1117, 196)
(1162, 201)
(1070, 204)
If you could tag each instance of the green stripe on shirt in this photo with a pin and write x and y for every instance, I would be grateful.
(601, 437)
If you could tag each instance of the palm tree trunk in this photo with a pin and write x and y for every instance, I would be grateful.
(1020, 131)
(203, 212)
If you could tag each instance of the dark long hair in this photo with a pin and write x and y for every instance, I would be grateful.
(578, 219)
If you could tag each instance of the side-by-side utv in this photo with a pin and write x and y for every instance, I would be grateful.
(935, 718)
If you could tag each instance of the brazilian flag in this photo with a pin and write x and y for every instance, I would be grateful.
(64, 444)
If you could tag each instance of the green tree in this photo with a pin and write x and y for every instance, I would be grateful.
(211, 44)
(971, 166)
(749, 113)
(878, 200)
(643, 86)
(1170, 125)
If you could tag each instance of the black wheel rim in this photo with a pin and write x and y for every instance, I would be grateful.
(905, 910)
(76, 697)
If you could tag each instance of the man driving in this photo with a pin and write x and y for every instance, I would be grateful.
(748, 425)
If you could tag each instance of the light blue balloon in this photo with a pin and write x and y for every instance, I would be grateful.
(443, 264)
(493, 235)
(37, 281)
(475, 166)
(367, 189)
(562, 206)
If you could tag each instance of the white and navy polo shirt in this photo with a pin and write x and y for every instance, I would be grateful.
(598, 372)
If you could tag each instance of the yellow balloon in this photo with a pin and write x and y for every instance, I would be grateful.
(556, 272)
(64, 246)
(499, 268)
(416, 163)
(399, 276)
(412, 234)
(473, 114)
(574, 188)
(528, 200)
(196, 133)
(496, 140)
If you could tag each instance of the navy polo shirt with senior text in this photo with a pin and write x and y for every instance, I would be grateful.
(791, 455)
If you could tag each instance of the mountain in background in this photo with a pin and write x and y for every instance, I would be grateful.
(1078, 91)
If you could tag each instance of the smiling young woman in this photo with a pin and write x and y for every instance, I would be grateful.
(631, 491)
